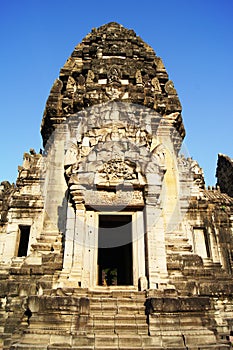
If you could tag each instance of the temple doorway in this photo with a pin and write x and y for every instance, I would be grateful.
(115, 266)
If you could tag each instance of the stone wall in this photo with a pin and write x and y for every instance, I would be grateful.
(224, 174)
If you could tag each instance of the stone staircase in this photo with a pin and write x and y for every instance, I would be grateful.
(118, 322)
(106, 321)
(78, 319)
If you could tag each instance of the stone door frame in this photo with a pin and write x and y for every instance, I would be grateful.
(138, 249)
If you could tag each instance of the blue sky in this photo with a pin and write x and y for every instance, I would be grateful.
(193, 37)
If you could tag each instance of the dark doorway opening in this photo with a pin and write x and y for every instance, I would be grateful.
(115, 250)
(24, 232)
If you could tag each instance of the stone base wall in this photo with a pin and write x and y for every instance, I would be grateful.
(81, 319)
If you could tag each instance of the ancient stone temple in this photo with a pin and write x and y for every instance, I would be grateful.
(109, 238)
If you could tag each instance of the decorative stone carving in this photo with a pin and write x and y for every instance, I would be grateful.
(114, 92)
(114, 75)
(146, 81)
(138, 77)
(198, 175)
(81, 80)
(71, 85)
(120, 74)
(57, 86)
(90, 77)
(118, 170)
(99, 53)
(122, 198)
(155, 83)
(169, 88)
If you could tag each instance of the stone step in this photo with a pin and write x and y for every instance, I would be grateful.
(167, 348)
(105, 348)
(118, 324)
(214, 347)
(119, 348)
(128, 341)
(117, 300)
(28, 347)
(132, 294)
(130, 329)
(119, 318)
(60, 347)
(106, 341)
(117, 306)
(137, 317)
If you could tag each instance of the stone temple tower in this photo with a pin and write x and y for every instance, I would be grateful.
(109, 238)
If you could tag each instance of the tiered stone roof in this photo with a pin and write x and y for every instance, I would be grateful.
(111, 63)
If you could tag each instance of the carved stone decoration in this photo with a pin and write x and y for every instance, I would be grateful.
(99, 53)
(146, 81)
(159, 153)
(118, 170)
(138, 77)
(169, 88)
(81, 80)
(113, 67)
(118, 198)
(159, 64)
(90, 77)
(114, 92)
(54, 102)
(57, 86)
(114, 75)
(198, 174)
(71, 85)
(155, 83)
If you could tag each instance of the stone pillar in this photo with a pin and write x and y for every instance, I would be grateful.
(138, 237)
(54, 192)
(155, 240)
(156, 259)
(89, 262)
(69, 239)
(79, 246)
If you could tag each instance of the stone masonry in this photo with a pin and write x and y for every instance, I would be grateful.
(224, 174)
(109, 239)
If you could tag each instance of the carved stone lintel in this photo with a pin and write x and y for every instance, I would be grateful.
(118, 198)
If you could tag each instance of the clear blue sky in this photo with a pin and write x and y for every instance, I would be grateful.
(193, 37)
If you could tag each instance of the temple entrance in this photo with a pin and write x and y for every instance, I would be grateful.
(115, 250)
